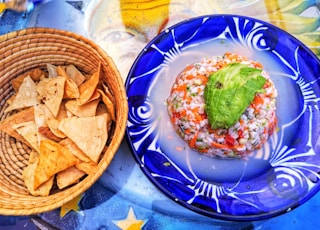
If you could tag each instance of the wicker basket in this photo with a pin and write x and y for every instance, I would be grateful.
(24, 50)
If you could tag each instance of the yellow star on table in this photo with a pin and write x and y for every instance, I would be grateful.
(71, 205)
(131, 222)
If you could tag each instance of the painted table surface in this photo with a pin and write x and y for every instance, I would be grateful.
(123, 198)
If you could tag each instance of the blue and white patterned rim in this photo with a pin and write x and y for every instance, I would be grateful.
(291, 158)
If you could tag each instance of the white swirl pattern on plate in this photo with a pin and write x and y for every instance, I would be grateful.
(294, 161)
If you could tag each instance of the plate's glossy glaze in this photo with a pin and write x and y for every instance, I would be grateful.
(271, 181)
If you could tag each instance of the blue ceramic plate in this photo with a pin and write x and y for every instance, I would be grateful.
(274, 180)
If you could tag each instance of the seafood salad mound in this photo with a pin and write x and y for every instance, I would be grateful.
(223, 106)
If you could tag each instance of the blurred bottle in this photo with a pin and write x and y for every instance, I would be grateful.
(19, 5)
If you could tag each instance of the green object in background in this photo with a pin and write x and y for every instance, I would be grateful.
(229, 92)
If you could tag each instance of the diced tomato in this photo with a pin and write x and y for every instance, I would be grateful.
(240, 133)
(192, 142)
(258, 100)
(230, 140)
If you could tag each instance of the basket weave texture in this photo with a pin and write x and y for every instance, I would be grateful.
(21, 51)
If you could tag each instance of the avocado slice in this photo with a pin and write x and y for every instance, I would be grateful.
(229, 92)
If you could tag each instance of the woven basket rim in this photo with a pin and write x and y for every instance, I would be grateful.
(60, 198)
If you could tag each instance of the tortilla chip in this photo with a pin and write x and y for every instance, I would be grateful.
(109, 104)
(40, 114)
(87, 167)
(20, 117)
(47, 124)
(53, 121)
(107, 92)
(88, 88)
(28, 177)
(61, 72)
(11, 99)
(26, 96)
(88, 133)
(46, 132)
(62, 111)
(53, 126)
(71, 88)
(75, 74)
(40, 119)
(68, 177)
(86, 110)
(29, 132)
(51, 91)
(102, 109)
(95, 96)
(33, 156)
(35, 74)
(73, 148)
(52, 70)
(53, 158)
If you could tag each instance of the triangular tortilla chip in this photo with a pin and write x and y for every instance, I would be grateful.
(33, 156)
(19, 117)
(107, 92)
(52, 71)
(102, 109)
(62, 112)
(35, 74)
(75, 74)
(29, 132)
(87, 167)
(51, 91)
(46, 132)
(86, 110)
(53, 121)
(110, 106)
(40, 119)
(95, 96)
(26, 96)
(71, 88)
(28, 177)
(68, 177)
(11, 99)
(53, 125)
(74, 149)
(88, 88)
(88, 133)
(47, 124)
(53, 158)
(61, 71)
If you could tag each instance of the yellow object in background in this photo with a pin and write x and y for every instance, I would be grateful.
(143, 13)
(2, 7)
(312, 40)
(72, 205)
(294, 24)
(18, 5)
